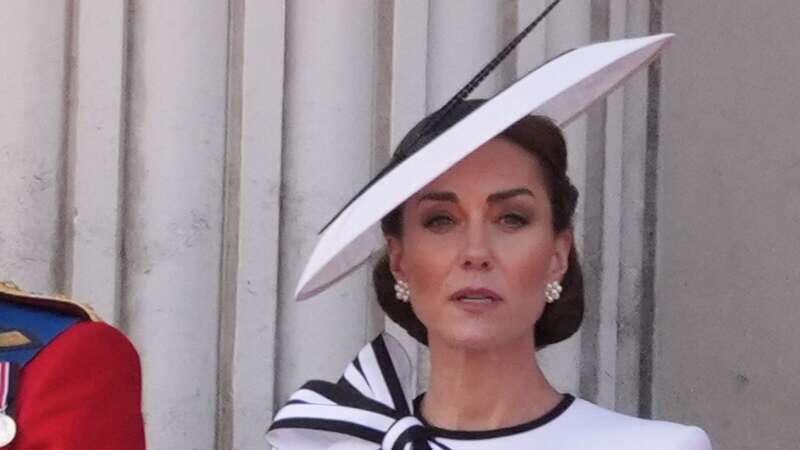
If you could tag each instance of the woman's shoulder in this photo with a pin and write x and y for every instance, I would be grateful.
(604, 425)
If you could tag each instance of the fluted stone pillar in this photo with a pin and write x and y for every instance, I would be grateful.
(95, 144)
(173, 224)
(634, 301)
(32, 126)
(327, 157)
(463, 37)
(247, 370)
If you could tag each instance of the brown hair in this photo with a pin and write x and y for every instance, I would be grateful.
(544, 140)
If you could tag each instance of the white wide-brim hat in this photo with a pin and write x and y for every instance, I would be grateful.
(560, 89)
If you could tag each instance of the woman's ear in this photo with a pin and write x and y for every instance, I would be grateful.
(560, 261)
(394, 249)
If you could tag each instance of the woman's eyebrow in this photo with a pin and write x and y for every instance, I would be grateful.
(439, 196)
(504, 195)
(447, 196)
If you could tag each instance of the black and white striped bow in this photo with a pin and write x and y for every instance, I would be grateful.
(368, 408)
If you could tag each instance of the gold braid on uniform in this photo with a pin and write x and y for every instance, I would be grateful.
(10, 292)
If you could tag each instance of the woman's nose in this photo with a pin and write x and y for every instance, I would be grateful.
(476, 254)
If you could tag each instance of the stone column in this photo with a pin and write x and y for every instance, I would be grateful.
(33, 47)
(174, 206)
(327, 157)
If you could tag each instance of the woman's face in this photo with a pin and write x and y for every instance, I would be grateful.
(478, 248)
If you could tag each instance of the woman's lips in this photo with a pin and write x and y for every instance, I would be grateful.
(476, 296)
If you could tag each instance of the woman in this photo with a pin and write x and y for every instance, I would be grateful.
(481, 267)
(476, 211)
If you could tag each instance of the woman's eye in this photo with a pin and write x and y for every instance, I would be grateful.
(514, 220)
(439, 221)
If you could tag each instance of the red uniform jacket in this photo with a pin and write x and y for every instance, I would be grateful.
(81, 391)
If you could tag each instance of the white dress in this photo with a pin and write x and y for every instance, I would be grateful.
(368, 409)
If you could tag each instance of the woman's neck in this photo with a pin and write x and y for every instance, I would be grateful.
(487, 389)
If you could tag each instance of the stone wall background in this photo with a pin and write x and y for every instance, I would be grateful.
(170, 164)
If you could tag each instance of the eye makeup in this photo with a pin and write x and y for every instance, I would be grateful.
(514, 220)
(524, 207)
(512, 209)
(437, 220)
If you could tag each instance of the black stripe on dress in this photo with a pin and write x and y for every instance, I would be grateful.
(390, 376)
(334, 426)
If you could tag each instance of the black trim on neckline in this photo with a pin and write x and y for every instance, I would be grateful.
(559, 409)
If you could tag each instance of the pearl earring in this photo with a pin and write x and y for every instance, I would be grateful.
(401, 291)
(552, 291)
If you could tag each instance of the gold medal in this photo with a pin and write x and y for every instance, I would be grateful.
(8, 429)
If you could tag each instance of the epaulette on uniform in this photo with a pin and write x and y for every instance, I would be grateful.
(28, 323)
(10, 292)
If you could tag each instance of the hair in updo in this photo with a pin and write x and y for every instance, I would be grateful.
(544, 140)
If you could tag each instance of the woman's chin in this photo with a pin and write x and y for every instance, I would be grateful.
(474, 338)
